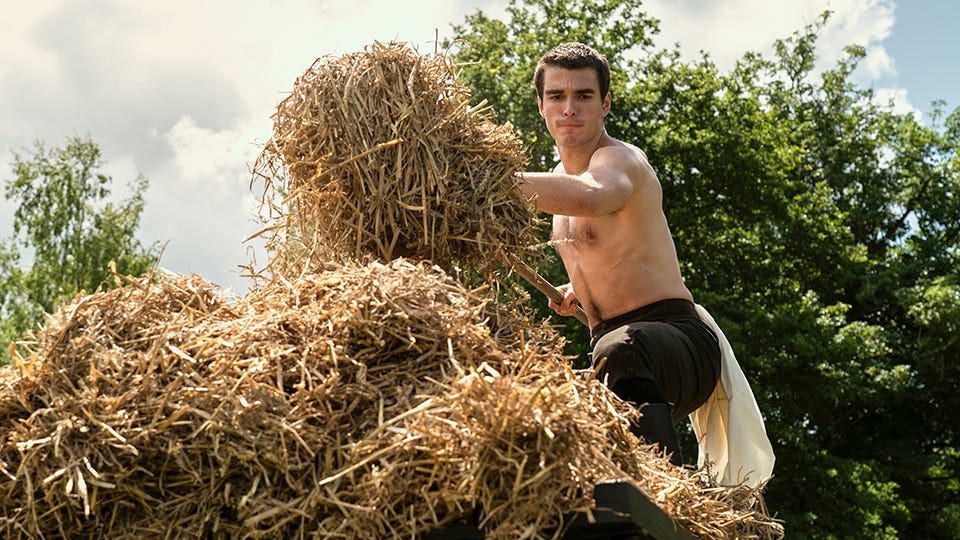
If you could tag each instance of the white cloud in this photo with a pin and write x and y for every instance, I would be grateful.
(877, 64)
(898, 100)
(866, 23)
(209, 160)
(726, 29)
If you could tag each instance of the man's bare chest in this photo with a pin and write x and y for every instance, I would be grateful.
(577, 233)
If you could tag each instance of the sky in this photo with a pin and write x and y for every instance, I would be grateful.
(181, 91)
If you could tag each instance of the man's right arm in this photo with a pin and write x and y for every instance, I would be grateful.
(602, 189)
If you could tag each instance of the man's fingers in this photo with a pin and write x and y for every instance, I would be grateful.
(561, 309)
(567, 306)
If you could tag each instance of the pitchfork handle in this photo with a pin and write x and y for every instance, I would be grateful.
(544, 286)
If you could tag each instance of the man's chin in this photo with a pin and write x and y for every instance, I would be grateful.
(569, 140)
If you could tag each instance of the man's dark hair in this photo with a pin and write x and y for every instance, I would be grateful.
(574, 55)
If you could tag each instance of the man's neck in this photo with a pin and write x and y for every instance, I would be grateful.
(576, 159)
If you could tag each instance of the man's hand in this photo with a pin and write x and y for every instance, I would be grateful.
(569, 305)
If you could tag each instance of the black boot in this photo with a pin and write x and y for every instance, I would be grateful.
(656, 426)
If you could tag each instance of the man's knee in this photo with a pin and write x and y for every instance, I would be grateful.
(617, 358)
(614, 359)
(639, 391)
(624, 370)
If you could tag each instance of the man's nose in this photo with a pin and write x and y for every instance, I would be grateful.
(568, 109)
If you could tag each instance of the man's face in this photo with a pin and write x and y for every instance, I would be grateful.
(572, 105)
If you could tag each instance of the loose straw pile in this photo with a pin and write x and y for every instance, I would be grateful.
(361, 402)
(379, 154)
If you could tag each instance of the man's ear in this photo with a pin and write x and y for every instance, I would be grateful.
(607, 101)
(540, 105)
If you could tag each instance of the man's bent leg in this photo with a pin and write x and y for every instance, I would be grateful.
(626, 374)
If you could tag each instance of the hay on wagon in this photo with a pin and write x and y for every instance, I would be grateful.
(360, 402)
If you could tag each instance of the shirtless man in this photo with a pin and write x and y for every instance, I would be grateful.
(611, 232)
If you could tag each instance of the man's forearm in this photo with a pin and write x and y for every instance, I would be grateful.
(563, 194)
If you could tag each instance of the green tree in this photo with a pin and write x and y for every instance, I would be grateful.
(821, 229)
(68, 232)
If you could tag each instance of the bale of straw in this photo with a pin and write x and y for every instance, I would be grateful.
(360, 402)
(379, 153)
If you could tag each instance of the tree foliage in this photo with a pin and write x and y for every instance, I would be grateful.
(66, 231)
(820, 227)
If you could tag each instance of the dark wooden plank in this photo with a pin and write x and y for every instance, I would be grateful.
(624, 499)
(622, 512)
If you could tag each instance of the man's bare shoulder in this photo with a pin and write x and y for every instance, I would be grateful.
(625, 157)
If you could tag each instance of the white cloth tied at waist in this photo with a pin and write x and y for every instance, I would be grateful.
(729, 427)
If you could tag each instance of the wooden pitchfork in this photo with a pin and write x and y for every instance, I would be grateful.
(542, 285)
